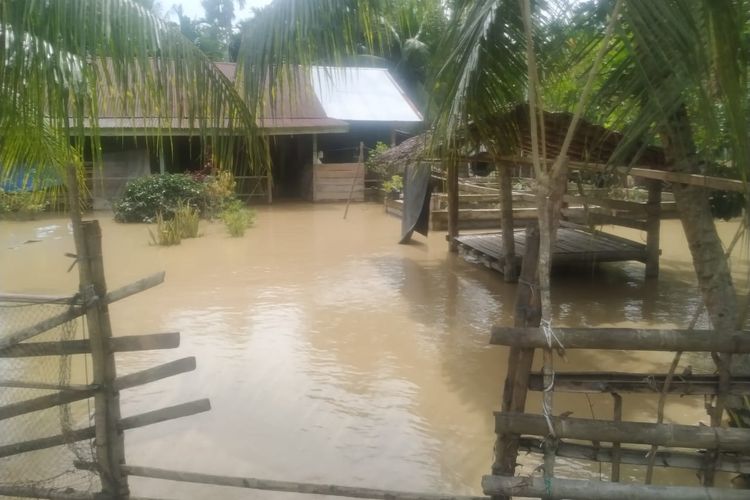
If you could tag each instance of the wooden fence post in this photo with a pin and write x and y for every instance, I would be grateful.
(528, 312)
(452, 179)
(506, 214)
(653, 225)
(110, 445)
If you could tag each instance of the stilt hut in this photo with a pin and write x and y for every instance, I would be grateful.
(610, 182)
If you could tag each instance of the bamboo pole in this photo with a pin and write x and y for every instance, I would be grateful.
(140, 420)
(41, 327)
(288, 486)
(44, 402)
(727, 462)
(135, 287)
(597, 490)
(631, 339)
(616, 447)
(653, 223)
(527, 313)
(117, 344)
(506, 209)
(640, 383)
(156, 373)
(110, 445)
(671, 435)
(452, 180)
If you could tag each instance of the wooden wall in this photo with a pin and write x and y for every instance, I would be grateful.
(333, 182)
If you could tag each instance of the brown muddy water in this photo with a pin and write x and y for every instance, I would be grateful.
(332, 354)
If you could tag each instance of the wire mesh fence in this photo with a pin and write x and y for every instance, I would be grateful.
(27, 378)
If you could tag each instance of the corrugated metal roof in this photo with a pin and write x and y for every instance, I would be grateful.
(362, 94)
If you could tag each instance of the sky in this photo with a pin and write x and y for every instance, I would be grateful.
(193, 9)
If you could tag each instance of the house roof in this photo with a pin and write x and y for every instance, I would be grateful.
(591, 143)
(322, 100)
(362, 94)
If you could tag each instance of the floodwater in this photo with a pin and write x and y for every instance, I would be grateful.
(332, 354)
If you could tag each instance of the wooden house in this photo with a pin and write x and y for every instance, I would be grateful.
(318, 131)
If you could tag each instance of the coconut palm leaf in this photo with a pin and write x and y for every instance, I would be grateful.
(68, 62)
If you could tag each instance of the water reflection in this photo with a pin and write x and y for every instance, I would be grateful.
(332, 354)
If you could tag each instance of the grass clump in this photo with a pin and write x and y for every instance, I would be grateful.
(186, 220)
(237, 218)
(167, 233)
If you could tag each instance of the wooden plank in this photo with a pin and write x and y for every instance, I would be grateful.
(38, 299)
(44, 402)
(156, 373)
(708, 182)
(164, 414)
(671, 435)
(288, 486)
(596, 490)
(632, 339)
(727, 462)
(624, 205)
(646, 383)
(41, 492)
(45, 386)
(117, 344)
(135, 287)
(143, 419)
(41, 327)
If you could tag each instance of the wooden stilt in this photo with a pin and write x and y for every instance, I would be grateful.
(527, 313)
(110, 446)
(452, 180)
(506, 208)
(653, 226)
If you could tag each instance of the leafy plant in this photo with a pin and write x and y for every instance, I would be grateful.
(396, 184)
(167, 232)
(380, 170)
(219, 190)
(146, 197)
(237, 218)
(186, 220)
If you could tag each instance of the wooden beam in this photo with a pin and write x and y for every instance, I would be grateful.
(708, 182)
(156, 373)
(43, 403)
(506, 210)
(45, 386)
(116, 344)
(612, 382)
(653, 229)
(38, 299)
(596, 490)
(629, 339)
(728, 462)
(143, 419)
(109, 442)
(671, 435)
(452, 206)
(288, 486)
(41, 327)
(164, 414)
(135, 287)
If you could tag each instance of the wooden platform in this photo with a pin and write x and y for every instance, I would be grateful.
(574, 245)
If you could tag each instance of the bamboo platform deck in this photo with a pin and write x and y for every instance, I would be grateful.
(574, 245)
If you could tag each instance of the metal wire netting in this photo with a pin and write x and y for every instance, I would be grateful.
(51, 467)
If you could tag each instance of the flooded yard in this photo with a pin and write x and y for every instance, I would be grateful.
(332, 354)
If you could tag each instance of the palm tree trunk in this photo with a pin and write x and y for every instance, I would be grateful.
(709, 260)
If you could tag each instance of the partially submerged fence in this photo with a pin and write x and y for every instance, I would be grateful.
(716, 448)
(40, 409)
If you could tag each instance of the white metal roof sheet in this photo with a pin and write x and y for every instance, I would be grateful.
(361, 94)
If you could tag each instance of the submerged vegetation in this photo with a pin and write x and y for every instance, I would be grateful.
(237, 218)
(20, 205)
(146, 197)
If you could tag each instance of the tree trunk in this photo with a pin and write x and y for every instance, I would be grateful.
(709, 260)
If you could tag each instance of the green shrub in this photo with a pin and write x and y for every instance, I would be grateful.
(237, 218)
(396, 184)
(158, 194)
(186, 220)
(219, 191)
(22, 204)
(167, 232)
